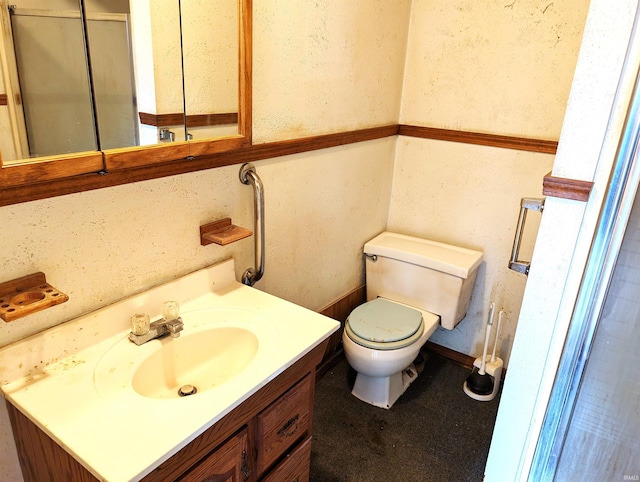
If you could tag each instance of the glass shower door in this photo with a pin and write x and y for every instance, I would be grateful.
(602, 439)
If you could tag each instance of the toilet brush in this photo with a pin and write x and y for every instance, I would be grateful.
(480, 382)
(495, 343)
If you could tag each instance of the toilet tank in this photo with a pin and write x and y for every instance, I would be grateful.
(428, 275)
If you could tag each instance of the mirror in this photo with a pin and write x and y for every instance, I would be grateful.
(135, 93)
(50, 83)
(210, 66)
(134, 59)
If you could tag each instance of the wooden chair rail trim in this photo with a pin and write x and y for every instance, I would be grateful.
(45, 170)
(492, 140)
(565, 188)
(120, 173)
(96, 180)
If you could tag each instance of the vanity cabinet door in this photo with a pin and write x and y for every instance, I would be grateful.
(295, 467)
(227, 463)
(281, 425)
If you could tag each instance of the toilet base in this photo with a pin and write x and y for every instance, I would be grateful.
(383, 392)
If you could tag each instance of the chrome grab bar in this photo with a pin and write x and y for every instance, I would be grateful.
(248, 175)
(525, 204)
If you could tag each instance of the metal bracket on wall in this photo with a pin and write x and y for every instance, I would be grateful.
(525, 205)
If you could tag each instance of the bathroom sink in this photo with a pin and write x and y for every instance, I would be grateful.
(196, 362)
(93, 391)
(216, 347)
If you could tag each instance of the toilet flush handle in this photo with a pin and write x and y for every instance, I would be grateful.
(372, 257)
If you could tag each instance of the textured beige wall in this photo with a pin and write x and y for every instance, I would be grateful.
(499, 68)
(155, 26)
(7, 148)
(326, 66)
(496, 67)
(165, 40)
(321, 207)
(461, 194)
(210, 46)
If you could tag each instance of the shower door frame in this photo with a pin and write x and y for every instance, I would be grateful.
(611, 226)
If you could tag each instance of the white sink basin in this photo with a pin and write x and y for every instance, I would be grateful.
(215, 348)
(195, 362)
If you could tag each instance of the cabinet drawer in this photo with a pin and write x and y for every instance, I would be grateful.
(283, 423)
(295, 467)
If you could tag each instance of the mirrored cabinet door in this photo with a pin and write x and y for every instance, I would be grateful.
(98, 86)
(116, 87)
(113, 79)
(54, 89)
(136, 67)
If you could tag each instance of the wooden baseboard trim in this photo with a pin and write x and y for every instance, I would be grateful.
(339, 310)
(479, 138)
(566, 188)
(456, 356)
(328, 363)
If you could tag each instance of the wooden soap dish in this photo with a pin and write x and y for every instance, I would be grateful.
(29, 294)
(222, 232)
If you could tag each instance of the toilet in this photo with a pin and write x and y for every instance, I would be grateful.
(413, 286)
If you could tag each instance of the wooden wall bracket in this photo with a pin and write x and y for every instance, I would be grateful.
(222, 232)
(566, 188)
(29, 294)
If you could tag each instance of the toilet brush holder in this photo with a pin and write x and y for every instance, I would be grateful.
(493, 368)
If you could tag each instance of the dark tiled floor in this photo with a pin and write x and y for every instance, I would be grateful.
(434, 432)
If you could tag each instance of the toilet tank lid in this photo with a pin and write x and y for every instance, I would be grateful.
(454, 260)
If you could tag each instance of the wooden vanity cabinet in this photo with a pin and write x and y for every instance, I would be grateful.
(284, 423)
(295, 468)
(226, 463)
(267, 437)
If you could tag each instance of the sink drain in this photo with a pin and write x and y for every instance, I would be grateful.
(187, 390)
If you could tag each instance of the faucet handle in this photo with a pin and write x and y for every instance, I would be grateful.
(140, 324)
(170, 310)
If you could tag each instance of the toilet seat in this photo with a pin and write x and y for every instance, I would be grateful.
(384, 325)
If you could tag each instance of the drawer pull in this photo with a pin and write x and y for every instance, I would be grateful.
(289, 428)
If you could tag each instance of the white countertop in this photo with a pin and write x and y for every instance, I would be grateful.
(114, 432)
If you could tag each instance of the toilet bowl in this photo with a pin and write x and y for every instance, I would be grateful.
(383, 356)
(413, 286)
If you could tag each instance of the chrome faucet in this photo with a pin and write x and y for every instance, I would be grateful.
(169, 324)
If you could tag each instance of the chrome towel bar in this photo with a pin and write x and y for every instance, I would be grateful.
(525, 205)
(248, 175)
